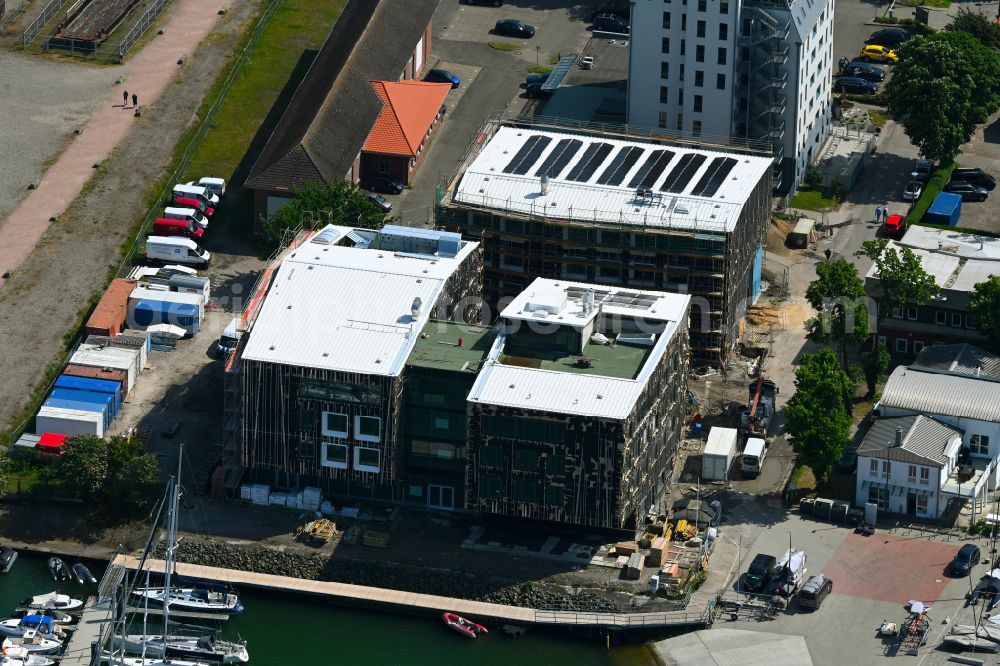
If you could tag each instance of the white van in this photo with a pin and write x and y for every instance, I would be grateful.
(752, 460)
(216, 186)
(229, 338)
(172, 213)
(176, 249)
(194, 192)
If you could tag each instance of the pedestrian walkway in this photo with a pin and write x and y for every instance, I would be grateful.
(148, 75)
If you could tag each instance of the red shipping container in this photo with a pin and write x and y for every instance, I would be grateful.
(111, 374)
(109, 315)
(50, 444)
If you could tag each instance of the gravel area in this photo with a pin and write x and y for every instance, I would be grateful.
(42, 102)
(71, 262)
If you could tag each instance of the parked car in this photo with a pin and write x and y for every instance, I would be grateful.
(967, 557)
(176, 250)
(170, 227)
(443, 76)
(620, 8)
(912, 190)
(180, 213)
(611, 23)
(194, 192)
(853, 84)
(815, 590)
(535, 91)
(864, 70)
(536, 78)
(849, 460)
(381, 202)
(513, 28)
(197, 204)
(876, 53)
(894, 226)
(384, 184)
(977, 177)
(924, 169)
(890, 37)
(967, 191)
(216, 186)
(760, 572)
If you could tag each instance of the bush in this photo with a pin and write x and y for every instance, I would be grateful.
(813, 179)
(938, 180)
(878, 99)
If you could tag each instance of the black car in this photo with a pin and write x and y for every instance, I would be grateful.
(864, 70)
(760, 572)
(513, 28)
(443, 76)
(967, 191)
(966, 558)
(854, 84)
(611, 23)
(890, 37)
(976, 177)
(384, 184)
(924, 170)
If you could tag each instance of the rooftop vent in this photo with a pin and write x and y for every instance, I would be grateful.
(544, 181)
(681, 209)
(415, 308)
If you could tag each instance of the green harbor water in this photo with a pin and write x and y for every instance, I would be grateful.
(290, 630)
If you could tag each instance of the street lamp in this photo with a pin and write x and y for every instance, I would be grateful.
(913, 192)
(538, 50)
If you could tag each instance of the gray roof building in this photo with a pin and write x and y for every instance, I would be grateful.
(928, 391)
(964, 359)
(914, 439)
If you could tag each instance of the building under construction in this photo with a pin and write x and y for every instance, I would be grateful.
(619, 211)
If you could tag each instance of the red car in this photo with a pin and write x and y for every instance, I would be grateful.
(200, 206)
(895, 226)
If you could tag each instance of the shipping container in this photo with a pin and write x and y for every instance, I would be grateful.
(109, 357)
(69, 421)
(719, 453)
(96, 385)
(50, 444)
(147, 307)
(80, 404)
(132, 339)
(108, 374)
(101, 398)
(108, 317)
(946, 209)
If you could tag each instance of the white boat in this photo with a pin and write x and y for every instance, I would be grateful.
(199, 599)
(18, 656)
(118, 659)
(43, 624)
(34, 643)
(188, 647)
(53, 601)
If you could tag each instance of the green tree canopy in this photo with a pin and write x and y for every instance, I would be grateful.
(985, 307)
(112, 472)
(83, 465)
(875, 365)
(838, 296)
(944, 85)
(977, 25)
(902, 278)
(818, 417)
(316, 206)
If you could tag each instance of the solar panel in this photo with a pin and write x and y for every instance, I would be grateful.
(718, 170)
(620, 166)
(682, 174)
(527, 155)
(651, 169)
(592, 159)
(559, 158)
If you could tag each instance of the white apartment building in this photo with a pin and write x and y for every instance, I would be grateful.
(736, 70)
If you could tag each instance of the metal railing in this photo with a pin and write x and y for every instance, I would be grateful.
(140, 27)
(680, 618)
(36, 26)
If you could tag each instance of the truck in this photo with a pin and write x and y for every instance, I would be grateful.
(720, 449)
(753, 456)
(946, 209)
(756, 418)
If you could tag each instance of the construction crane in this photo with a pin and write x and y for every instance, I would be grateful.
(756, 418)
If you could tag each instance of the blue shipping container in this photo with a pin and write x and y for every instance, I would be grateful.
(81, 406)
(103, 399)
(95, 385)
(946, 209)
(149, 313)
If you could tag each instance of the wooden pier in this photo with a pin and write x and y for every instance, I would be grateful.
(412, 602)
(81, 646)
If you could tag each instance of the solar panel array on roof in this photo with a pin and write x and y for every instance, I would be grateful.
(620, 166)
(559, 158)
(718, 170)
(592, 159)
(651, 170)
(528, 155)
(682, 173)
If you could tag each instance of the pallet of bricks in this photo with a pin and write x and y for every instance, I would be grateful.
(680, 564)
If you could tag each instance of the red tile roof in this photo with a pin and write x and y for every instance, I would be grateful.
(408, 112)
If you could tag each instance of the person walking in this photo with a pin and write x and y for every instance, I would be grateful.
(124, 98)
(135, 100)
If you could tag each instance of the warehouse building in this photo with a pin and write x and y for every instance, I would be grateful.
(576, 414)
(620, 212)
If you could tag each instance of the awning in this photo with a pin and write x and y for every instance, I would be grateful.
(559, 72)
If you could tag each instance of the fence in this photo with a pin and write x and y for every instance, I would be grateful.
(36, 26)
(140, 27)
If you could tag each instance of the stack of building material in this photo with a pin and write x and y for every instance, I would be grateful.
(278, 499)
(634, 567)
(109, 315)
(375, 539)
(25, 444)
(626, 548)
(245, 491)
(312, 498)
(658, 552)
(260, 493)
(294, 500)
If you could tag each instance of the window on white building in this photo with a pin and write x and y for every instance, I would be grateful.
(334, 455)
(680, 122)
(699, 78)
(911, 473)
(941, 318)
(665, 45)
(879, 496)
(365, 459)
(720, 81)
(662, 121)
(925, 476)
(886, 469)
(917, 346)
(367, 428)
(702, 5)
(921, 505)
(897, 312)
(699, 53)
(721, 59)
(723, 31)
(698, 102)
(664, 95)
(700, 29)
(911, 313)
(334, 425)
(696, 128)
(979, 445)
(724, 7)
(666, 20)
(956, 319)
(901, 345)
(873, 467)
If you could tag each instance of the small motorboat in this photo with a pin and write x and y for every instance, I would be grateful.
(7, 558)
(33, 643)
(58, 569)
(120, 659)
(463, 626)
(14, 655)
(18, 626)
(82, 574)
(57, 616)
(52, 601)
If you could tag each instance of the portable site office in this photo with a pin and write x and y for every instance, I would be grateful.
(93, 385)
(109, 357)
(70, 422)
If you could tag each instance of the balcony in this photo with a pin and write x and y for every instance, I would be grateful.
(777, 106)
(779, 79)
(777, 130)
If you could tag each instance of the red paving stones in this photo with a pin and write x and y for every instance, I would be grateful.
(891, 569)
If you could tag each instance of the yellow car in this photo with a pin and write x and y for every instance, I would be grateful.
(876, 53)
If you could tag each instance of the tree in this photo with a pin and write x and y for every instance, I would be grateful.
(943, 86)
(138, 484)
(83, 465)
(984, 305)
(875, 365)
(838, 296)
(818, 416)
(977, 25)
(315, 206)
(813, 179)
(902, 278)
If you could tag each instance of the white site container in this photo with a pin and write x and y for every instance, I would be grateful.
(720, 449)
(117, 358)
(63, 421)
(245, 491)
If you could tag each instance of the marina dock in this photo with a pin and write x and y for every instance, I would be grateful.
(696, 614)
(80, 650)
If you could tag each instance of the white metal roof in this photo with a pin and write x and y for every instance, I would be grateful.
(489, 182)
(346, 308)
(721, 441)
(560, 392)
(957, 260)
(938, 393)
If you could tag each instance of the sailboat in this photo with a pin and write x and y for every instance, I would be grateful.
(169, 646)
(18, 656)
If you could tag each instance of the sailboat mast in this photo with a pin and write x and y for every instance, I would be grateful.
(171, 544)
